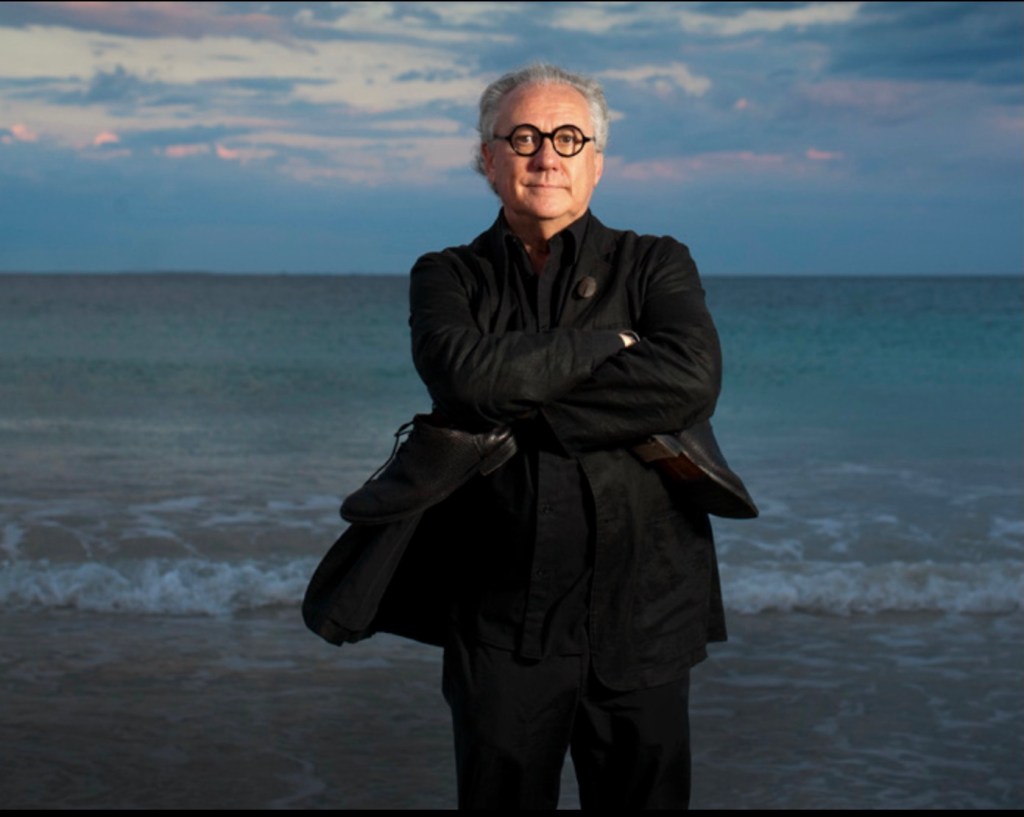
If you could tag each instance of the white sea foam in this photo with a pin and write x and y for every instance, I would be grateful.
(855, 588)
(155, 586)
(1012, 529)
(193, 586)
(201, 526)
(12, 536)
(184, 503)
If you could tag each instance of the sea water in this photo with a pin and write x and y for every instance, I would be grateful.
(175, 448)
(180, 444)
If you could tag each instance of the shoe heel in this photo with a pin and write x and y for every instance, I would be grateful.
(498, 458)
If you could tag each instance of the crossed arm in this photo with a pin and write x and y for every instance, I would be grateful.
(595, 387)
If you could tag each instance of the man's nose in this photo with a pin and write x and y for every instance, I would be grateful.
(547, 156)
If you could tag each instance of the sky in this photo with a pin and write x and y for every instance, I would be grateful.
(772, 138)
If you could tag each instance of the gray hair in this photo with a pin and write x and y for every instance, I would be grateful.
(540, 74)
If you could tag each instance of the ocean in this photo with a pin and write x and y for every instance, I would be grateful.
(176, 448)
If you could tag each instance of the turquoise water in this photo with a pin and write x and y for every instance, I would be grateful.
(175, 425)
(924, 368)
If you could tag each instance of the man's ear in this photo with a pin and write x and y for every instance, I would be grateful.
(488, 157)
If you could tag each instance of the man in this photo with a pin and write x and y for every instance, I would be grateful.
(573, 586)
(587, 591)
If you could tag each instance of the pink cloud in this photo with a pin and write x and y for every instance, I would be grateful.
(243, 155)
(159, 19)
(740, 105)
(816, 155)
(181, 151)
(105, 138)
(23, 134)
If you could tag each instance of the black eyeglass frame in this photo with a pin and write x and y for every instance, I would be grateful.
(541, 136)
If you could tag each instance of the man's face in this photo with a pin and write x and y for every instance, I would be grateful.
(545, 191)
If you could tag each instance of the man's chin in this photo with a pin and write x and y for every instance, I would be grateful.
(546, 208)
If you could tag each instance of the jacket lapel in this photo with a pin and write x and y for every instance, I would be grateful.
(590, 278)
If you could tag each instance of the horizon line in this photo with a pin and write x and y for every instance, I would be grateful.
(309, 274)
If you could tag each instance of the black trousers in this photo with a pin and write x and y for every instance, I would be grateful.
(515, 719)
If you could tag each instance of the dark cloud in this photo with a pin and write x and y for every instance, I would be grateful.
(195, 135)
(116, 86)
(975, 42)
(121, 90)
(429, 76)
(124, 93)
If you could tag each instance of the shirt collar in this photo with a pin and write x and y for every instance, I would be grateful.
(571, 237)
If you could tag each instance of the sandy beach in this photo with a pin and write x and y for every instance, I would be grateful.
(795, 712)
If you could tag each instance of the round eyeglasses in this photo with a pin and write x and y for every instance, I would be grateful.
(526, 140)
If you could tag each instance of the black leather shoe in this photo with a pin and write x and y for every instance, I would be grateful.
(428, 466)
(693, 459)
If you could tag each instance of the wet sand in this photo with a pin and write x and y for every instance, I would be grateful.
(795, 712)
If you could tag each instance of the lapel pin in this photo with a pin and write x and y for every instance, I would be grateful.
(586, 288)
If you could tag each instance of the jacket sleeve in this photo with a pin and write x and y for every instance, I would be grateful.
(482, 378)
(667, 381)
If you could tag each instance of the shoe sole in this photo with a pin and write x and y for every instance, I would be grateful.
(491, 463)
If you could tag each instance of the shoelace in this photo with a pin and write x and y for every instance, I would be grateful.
(403, 431)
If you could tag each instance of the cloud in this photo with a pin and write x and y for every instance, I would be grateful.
(727, 19)
(368, 75)
(183, 151)
(878, 101)
(105, 138)
(816, 155)
(152, 19)
(243, 155)
(762, 20)
(438, 125)
(425, 23)
(23, 133)
(477, 15)
(663, 80)
(674, 169)
(17, 132)
(165, 93)
(114, 87)
(400, 159)
(974, 42)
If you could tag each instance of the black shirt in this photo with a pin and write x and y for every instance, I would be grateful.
(528, 586)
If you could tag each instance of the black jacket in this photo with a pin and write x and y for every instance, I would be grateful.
(655, 597)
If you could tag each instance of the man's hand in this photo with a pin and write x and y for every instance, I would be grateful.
(629, 337)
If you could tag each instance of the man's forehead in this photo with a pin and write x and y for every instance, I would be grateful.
(545, 94)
